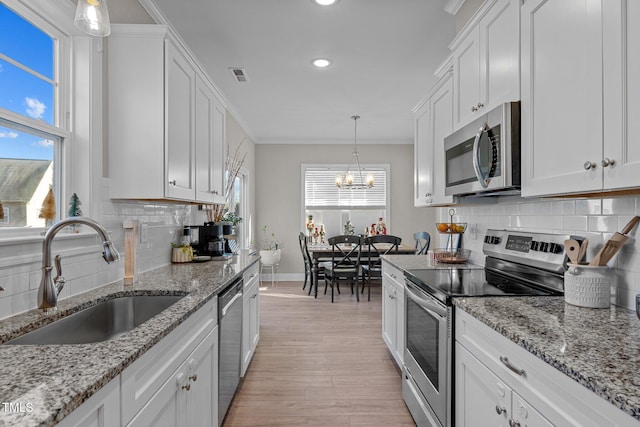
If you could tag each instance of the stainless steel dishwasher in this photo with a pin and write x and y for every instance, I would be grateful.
(230, 330)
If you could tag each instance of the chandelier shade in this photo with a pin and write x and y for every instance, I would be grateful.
(353, 178)
(92, 17)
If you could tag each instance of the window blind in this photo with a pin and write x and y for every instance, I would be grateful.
(321, 190)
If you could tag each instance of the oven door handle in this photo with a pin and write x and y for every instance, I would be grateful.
(426, 302)
(477, 168)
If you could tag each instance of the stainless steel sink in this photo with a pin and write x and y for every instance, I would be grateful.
(101, 322)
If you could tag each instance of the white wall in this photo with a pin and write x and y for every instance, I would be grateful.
(596, 219)
(279, 192)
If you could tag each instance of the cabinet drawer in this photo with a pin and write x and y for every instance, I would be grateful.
(393, 274)
(556, 396)
(250, 275)
(145, 376)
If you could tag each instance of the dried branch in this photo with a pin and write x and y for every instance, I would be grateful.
(232, 166)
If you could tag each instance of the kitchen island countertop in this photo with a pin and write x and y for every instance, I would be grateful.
(56, 379)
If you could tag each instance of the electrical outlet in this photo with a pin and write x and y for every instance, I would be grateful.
(144, 233)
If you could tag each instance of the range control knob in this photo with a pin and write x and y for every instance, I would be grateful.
(555, 248)
(544, 247)
(535, 245)
(492, 240)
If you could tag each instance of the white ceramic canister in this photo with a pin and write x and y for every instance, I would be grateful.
(588, 286)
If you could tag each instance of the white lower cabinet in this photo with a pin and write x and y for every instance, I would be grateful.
(499, 383)
(187, 397)
(250, 316)
(483, 399)
(393, 311)
(102, 409)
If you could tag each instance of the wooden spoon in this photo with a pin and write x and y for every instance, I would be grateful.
(583, 250)
(572, 248)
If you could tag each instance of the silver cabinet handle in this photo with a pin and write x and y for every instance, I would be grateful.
(480, 105)
(505, 361)
(500, 410)
(514, 423)
(474, 109)
(427, 195)
(607, 162)
(186, 387)
(172, 182)
(193, 378)
(589, 165)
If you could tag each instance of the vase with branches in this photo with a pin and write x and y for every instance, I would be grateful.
(232, 166)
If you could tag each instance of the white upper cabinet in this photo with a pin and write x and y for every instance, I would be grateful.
(486, 61)
(621, 50)
(579, 96)
(166, 126)
(433, 122)
(209, 139)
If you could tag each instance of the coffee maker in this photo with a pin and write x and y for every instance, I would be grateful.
(211, 241)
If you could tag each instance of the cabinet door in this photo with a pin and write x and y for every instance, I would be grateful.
(621, 49)
(441, 127)
(201, 397)
(102, 409)
(423, 157)
(400, 328)
(500, 54)
(218, 148)
(561, 96)
(482, 399)
(250, 323)
(167, 407)
(180, 122)
(525, 414)
(466, 79)
(204, 139)
(389, 315)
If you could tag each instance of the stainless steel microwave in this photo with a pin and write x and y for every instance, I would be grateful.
(483, 157)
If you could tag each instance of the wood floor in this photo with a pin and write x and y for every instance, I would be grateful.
(319, 363)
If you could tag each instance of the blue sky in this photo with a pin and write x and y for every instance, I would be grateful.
(20, 91)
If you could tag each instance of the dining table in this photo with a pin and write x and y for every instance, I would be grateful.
(323, 252)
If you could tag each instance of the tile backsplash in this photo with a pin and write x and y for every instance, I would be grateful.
(82, 263)
(596, 219)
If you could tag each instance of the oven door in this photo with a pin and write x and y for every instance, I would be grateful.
(428, 349)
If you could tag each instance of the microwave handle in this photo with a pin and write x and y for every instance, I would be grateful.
(476, 157)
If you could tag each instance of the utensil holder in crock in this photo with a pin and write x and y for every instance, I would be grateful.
(588, 286)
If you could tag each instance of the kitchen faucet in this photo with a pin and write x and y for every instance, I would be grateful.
(50, 288)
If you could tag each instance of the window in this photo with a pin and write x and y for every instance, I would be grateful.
(31, 132)
(332, 207)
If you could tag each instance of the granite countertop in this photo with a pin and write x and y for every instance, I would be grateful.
(598, 348)
(56, 379)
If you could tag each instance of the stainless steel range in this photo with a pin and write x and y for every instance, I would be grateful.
(517, 264)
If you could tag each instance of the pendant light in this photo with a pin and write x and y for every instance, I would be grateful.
(347, 180)
(92, 17)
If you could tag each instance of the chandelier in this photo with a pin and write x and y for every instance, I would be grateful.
(92, 17)
(346, 180)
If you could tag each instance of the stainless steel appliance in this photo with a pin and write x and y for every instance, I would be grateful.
(230, 330)
(484, 156)
(517, 264)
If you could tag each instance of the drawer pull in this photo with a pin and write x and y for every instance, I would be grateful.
(514, 423)
(505, 361)
(193, 378)
(500, 410)
(186, 387)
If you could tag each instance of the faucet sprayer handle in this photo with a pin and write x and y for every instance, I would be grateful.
(58, 281)
(110, 253)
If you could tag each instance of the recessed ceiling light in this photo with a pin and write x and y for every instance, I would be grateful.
(321, 62)
(325, 2)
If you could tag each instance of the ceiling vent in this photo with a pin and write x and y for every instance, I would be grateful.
(239, 74)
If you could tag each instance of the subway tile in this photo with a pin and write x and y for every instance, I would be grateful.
(24, 301)
(603, 223)
(6, 309)
(563, 207)
(576, 223)
(588, 206)
(619, 206)
(543, 208)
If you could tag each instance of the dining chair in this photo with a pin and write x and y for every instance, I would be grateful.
(345, 263)
(302, 240)
(423, 240)
(376, 247)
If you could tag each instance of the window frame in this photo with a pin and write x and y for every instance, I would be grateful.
(56, 20)
(341, 167)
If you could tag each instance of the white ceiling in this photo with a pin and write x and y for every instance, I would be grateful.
(384, 53)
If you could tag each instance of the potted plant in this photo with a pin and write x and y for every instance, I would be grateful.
(233, 219)
(271, 248)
